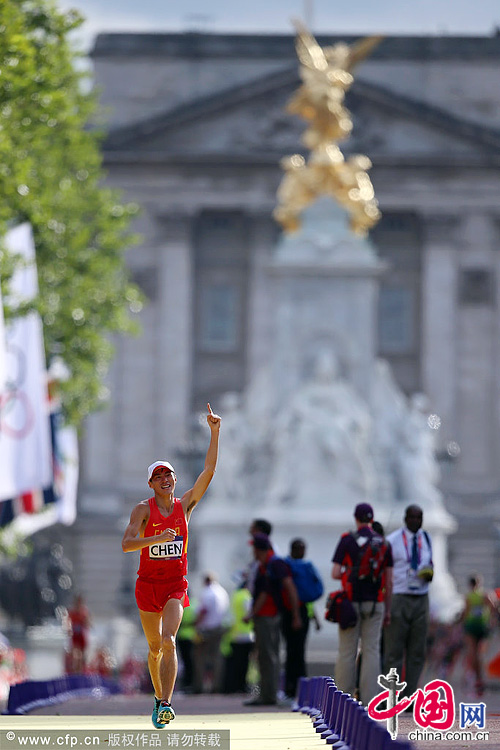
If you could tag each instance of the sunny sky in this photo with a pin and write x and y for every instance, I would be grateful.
(267, 16)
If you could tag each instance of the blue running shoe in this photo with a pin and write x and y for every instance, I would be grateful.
(165, 713)
(154, 715)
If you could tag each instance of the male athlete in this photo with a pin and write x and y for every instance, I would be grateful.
(159, 528)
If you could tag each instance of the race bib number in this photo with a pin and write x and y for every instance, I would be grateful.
(167, 550)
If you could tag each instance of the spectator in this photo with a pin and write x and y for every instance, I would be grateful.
(210, 623)
(378, 529)
(405, 636)
(13, 667)
(78, 624)
(258, 526)
(272, 584)
(354, 551)
(295, 638)
(103, 663)
(186, 640)
(238, 642)
(480, 606)
(131, 673)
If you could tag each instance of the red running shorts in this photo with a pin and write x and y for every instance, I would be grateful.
(152, 597)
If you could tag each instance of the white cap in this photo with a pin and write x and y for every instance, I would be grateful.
(154, 466)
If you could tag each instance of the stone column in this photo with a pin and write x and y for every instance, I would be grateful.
(173, 334)
(261, 304)
(476, 359)
(439, 319)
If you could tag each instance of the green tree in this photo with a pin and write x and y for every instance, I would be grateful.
(51, 175)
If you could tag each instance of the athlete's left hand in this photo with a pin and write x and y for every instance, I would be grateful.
(213, 419)
(167, 535)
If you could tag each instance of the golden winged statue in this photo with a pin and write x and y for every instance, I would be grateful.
(326, 76)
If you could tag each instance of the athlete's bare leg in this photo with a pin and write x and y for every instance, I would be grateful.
(160, 629)
(171, 620)
(151, 624)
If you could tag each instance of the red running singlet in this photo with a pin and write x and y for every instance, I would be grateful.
(165, 561)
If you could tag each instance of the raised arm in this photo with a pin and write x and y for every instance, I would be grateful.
(193, 496)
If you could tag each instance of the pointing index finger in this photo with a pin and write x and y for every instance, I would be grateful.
(209, 409)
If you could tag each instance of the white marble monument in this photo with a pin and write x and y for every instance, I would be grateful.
(323, 425)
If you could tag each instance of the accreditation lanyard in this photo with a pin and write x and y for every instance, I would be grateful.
(419, 547)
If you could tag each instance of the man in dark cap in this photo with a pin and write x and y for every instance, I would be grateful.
(361, 560)
(274, 591)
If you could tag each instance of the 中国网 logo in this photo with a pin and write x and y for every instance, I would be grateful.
(433, 706)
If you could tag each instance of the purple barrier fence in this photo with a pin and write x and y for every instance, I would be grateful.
(30, 694)
(303, 693)
(326, 730)
(343, 722)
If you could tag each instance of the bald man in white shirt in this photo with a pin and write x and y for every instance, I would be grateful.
(405, 637)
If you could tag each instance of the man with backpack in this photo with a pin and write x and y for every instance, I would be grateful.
(363, 562)
(309, 588)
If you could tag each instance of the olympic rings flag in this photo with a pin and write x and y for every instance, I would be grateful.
(25, 444)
